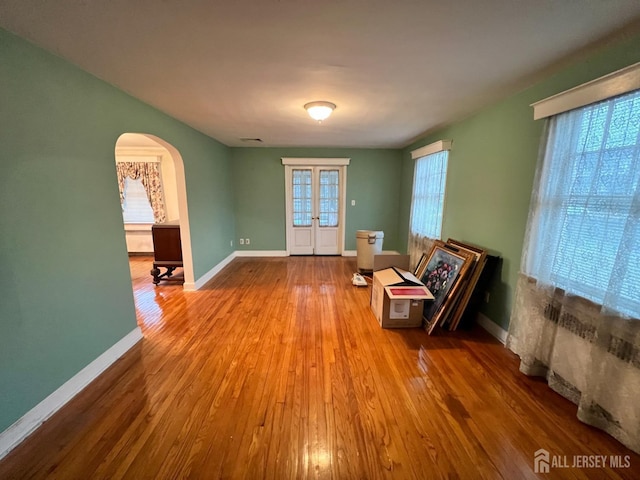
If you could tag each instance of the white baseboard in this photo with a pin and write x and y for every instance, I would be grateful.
(493, 328)
(261, 253)
(354, 253)
(199, 283)
(30, 421)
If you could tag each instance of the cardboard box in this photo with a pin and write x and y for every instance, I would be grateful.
(388, 260)
(397, 298)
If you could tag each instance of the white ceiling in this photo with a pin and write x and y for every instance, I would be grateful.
(243, 69)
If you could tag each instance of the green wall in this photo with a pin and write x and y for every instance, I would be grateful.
(373, 181)
(491, 169)
(65, 283)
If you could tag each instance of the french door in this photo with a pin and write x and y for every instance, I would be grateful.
(315, 209)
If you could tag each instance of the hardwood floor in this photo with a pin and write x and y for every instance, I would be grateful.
(277, 369)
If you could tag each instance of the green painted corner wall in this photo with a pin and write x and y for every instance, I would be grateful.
(373, 181)
(66, 289)
(491, 170)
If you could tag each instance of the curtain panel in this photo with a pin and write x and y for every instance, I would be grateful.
(590, 358)
(427, 202)
(149, 172)
(427, 198)
(575, 314)
(418, 244)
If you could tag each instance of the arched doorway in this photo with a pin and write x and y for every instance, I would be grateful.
(146, 147)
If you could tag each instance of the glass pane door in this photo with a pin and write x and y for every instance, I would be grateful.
(314, 209)
(302, 198)
(329, 197)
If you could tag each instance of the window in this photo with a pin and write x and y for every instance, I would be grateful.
(427, 203)
(144, 192)
(136, 207)
(585, 224)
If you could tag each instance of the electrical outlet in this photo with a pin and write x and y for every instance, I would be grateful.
(231, 243)
(353, 203)
(247, 241)
(242, 241)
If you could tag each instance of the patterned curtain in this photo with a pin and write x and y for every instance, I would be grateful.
(149, 172)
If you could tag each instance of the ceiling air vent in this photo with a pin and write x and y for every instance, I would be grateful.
(251, 140)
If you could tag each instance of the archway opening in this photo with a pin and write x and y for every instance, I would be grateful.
(159, 200)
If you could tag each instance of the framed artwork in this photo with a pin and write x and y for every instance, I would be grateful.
(421, 265)
(480, 259)
(444, 268)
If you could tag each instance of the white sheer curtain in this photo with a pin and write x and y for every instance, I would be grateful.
(585, 230)
(427, 203)
(578, 297)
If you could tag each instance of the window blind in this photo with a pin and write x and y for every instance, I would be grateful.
(136, 207)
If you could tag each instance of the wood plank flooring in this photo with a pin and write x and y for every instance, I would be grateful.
(277, 369)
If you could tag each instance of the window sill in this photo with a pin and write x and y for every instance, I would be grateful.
(138, 227)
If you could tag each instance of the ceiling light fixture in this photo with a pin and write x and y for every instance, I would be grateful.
(319, 110)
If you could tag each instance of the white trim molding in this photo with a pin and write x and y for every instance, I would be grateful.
(30, 421)
(261, 253)
(199, 283)
(616, 83)
(314, 162)
(434, 147)
(354, 253)
(138, 227)
(493, 328)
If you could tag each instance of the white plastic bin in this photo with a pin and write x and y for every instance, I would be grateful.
(368, 244)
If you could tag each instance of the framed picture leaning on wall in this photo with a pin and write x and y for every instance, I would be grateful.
(422, 263)
(442, 274)
(472, 279)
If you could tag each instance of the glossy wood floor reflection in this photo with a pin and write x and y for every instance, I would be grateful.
(277, 369)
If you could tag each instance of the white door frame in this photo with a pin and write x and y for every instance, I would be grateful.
(342, 164)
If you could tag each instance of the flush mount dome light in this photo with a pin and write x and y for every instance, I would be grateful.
(319, 110)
